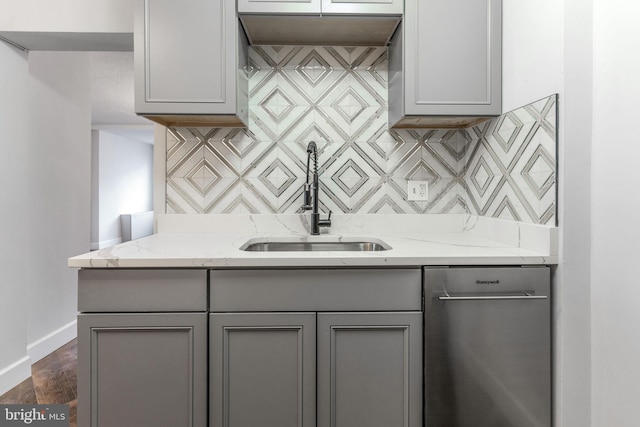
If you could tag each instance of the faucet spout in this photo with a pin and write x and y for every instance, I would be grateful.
(311, 190)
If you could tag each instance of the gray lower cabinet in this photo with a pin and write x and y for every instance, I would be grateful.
(190, 62)
(263, 348)
(445, 63)
(142, 348)
(262, 370)
(142, 370)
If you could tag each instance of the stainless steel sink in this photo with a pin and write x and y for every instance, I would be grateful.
(352, 245)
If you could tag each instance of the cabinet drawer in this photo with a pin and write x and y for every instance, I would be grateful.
(315, 290)
(152, 290)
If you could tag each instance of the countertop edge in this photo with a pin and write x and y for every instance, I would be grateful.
(441, 240)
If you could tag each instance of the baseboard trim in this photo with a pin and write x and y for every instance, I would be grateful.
(53, 341)
(14, 374)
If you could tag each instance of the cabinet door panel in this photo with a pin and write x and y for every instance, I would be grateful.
(453, 57)
(178, 68)
(146, 370)
(262, 369)
(369, 369)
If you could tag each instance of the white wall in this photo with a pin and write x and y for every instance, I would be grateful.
(109, 16)
(615, 207)
(531, 50)
(597, 347)
(159, 169)
(124, 183)
(59, 185)
(45, 128)
(14, 161)
(547, 49)
(573, 292)
(95, 190)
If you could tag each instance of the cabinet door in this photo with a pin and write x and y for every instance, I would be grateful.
(363, 7)
(262, 370)
(186, 57)
(279, 6)
(452, 57)
(143, 370)
(369, 369)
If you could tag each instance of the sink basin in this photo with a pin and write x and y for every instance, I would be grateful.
(351, 245)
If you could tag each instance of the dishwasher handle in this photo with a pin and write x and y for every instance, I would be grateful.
(492, 297)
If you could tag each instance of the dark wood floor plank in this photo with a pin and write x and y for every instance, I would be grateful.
(22, 393)
(53, 380)
(55, 377)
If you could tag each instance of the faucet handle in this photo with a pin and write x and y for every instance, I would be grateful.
(325, 222)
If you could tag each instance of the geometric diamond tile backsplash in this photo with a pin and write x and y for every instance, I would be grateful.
(511, 169)
(337, 96)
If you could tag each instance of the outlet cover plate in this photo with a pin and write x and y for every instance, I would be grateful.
(418, 191)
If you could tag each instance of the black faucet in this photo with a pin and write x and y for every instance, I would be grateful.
(311, 192)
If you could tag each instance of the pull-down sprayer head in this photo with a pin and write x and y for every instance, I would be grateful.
(312, 150)
(311, 191)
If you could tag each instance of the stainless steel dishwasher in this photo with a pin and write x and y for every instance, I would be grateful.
(487, 347)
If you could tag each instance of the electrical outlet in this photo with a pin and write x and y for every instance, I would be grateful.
(418, 190)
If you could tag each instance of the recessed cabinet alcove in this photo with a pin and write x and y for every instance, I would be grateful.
(191, 56)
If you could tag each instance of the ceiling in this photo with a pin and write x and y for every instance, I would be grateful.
(75, 41)
(112, 75)
(112, 97)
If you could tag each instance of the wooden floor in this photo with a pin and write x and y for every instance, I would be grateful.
(53, 380)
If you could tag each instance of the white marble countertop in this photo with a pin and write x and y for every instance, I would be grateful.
(201, 241)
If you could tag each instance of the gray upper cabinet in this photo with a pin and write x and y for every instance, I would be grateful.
(445, 63)
(190, 62)
(387, 7)
(279, 6)
(351, 7)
